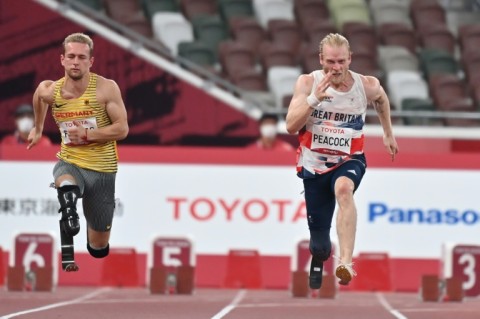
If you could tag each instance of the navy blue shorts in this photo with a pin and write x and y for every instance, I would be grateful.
(320, 192)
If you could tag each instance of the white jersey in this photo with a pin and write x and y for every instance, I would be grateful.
(334, 130)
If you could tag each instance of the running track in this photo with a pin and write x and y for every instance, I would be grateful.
(123, 303)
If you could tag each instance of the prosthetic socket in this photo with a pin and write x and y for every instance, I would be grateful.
(67, 196)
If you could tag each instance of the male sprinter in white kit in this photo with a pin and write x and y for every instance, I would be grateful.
(328, 111)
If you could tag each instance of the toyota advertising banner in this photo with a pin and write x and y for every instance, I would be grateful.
(405, 212)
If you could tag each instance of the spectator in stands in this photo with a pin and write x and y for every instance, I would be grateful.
(91, 116)
(24, 124)
(328, 111)
(269, 140)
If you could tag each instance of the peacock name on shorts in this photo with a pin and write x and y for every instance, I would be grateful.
(379, 211)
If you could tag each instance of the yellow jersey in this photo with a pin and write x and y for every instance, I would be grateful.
(100, 157)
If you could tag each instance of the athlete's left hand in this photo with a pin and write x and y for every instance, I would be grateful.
(77, 134)
(391, 145)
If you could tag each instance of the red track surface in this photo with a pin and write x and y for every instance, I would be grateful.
(122, 303)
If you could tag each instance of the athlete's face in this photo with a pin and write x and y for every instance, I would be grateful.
(76, 60)
(337, 60)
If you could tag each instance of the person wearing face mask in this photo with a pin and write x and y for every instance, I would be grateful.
(327, 111)
(268, 135)
(24, 123)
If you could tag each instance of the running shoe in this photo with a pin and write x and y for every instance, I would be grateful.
(345, 273)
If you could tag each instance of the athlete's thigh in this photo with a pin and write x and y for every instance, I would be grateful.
(62, 168)
(99, 200)
(354, 170)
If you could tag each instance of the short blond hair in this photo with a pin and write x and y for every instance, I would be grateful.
(334, 40)
(79, 38)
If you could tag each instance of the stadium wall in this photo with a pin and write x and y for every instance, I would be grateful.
(230, 198)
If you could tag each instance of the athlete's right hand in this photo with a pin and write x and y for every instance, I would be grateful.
(321, 89)
(33, 138)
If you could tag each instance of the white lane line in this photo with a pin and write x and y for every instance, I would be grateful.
(238, 297)
(58, 304)
(389, 308)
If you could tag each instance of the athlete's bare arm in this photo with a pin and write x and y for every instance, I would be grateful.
(108, 95)
(42, 98)
(299, 108)
(376, 94)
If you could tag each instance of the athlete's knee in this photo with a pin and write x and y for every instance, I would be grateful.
(320, 245)
(67, 197)
(344, 188)
(98, 252)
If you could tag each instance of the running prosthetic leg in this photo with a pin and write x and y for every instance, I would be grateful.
(316, 273)
(67, 196)
(68, 258)
(320, 248)
(69, 224)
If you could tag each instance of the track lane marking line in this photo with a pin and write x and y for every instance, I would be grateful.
(238, 298)
(58, 304)
(388, 307)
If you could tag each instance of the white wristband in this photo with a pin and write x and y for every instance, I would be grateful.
(312, 100)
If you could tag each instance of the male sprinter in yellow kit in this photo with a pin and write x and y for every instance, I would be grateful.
(91, 116)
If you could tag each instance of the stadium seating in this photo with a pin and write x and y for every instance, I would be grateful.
(286, 33)
(469, 36)
(365, 62)
(171, 28)
(433, 61)
(417, 104)
(349, 11)
(397, 58)
(390, 11)
(197, 52)
(310, 59)
(405, 84)
(310, 10)
(123, 10)
(460, 105)
(438, 36)
(275, 54)
(398, 34)
(266, 10)
(426, 13)
(250, 80)
(235, 56)
(446, 87)
(248, 31)
(194, 8)
(150, 7)
(210, 30)
(281, 81)
(316, 30)
(470, 60)
(235, 8)
(426, 37)
(362, 37)
(389, 39)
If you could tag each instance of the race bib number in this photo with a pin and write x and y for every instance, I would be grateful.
(332, 140)
(89, 123)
